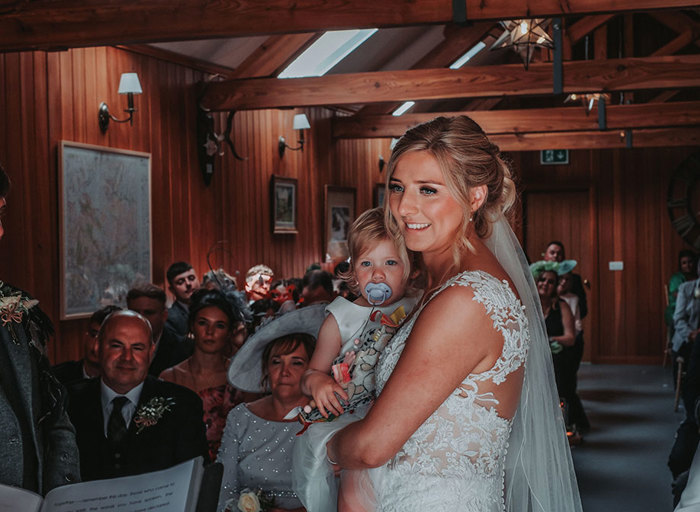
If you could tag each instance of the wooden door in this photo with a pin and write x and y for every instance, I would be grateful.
(565, 215)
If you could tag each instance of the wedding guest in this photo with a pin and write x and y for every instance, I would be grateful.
(317, 287)
(39, 451)
(576, 412)
(182, 283)
(686, 272)
(559, 321)
(89, 365)
(219, 279)
(555, 252)
(256, 449)
(128, 422)
(149, 301)
(213, 321)
(257, 282)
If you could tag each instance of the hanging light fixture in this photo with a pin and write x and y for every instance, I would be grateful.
(523, 36)
(589, 99)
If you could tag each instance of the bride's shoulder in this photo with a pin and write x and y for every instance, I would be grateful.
(477, 281)
(469, 297)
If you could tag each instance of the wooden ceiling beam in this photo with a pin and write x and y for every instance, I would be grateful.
(509, 9)
(664, 96)
(560, 119)
(677, 44)
(457, 41)
(271, 56)
(679, 23)
(45, 24)
(660, 137)
(585, 26)
(178, 58)
(677, 71)
(48, 24)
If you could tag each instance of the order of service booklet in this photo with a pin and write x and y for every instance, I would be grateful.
(175, 489)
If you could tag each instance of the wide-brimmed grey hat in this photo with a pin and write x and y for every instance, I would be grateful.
(245, 371)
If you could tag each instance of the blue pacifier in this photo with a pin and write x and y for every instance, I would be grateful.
(377, 293)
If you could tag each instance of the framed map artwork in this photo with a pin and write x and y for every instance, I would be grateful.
(105, 226)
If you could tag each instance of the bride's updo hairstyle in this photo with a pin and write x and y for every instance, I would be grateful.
(467, 159)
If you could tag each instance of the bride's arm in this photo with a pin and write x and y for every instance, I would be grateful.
(452, 338)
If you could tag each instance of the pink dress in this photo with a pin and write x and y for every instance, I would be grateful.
(217, 402)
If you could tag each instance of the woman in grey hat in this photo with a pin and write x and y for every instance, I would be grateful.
(256, 448)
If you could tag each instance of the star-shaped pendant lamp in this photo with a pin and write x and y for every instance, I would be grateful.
(524, 36)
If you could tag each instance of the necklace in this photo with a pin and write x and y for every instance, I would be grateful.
(204, 379)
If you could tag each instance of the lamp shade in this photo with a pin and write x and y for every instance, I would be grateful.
(129, 83)
(301, 122)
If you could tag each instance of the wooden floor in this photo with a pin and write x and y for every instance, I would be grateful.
(621, 465)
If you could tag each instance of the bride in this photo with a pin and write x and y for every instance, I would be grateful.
(467, 416)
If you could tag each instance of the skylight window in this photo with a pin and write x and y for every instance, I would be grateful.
(467, 56)
(403, 108)
(326, 52)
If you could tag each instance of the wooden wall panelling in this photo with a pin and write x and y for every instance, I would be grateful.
(186, 215)
(24, 152)
(559, 204)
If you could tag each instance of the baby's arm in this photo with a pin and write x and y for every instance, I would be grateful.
(317, 382)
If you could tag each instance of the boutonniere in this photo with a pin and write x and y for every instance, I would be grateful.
(13, 306)
(149, 413)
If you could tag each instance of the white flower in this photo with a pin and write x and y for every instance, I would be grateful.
(249, 502)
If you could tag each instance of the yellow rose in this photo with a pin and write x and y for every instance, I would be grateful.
(248, 502)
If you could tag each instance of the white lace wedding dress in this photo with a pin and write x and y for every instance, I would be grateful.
(455, 461)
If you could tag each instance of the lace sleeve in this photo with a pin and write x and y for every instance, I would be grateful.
(228, 456)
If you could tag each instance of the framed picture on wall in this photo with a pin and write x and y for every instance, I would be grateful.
(339, 208)
(379, 189)
(105, 226)
(284, 205)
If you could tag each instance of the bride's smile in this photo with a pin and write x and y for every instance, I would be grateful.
(430, 217)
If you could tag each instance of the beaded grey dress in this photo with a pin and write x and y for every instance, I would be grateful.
(257, 454)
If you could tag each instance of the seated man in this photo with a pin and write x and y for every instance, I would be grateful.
(128, 422)
(149, 301)
(182, 283)
(89, 366)
(257, 282)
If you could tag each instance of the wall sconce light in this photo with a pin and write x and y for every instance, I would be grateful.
(128, 84)
(301, 123)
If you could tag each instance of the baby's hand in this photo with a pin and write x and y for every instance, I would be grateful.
(326, 393)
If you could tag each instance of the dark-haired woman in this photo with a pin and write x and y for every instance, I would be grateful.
(560, 328)
(212, 320)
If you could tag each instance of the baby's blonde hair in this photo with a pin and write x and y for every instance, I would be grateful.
(367, 230)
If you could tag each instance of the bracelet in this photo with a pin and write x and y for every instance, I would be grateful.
(330, 461)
